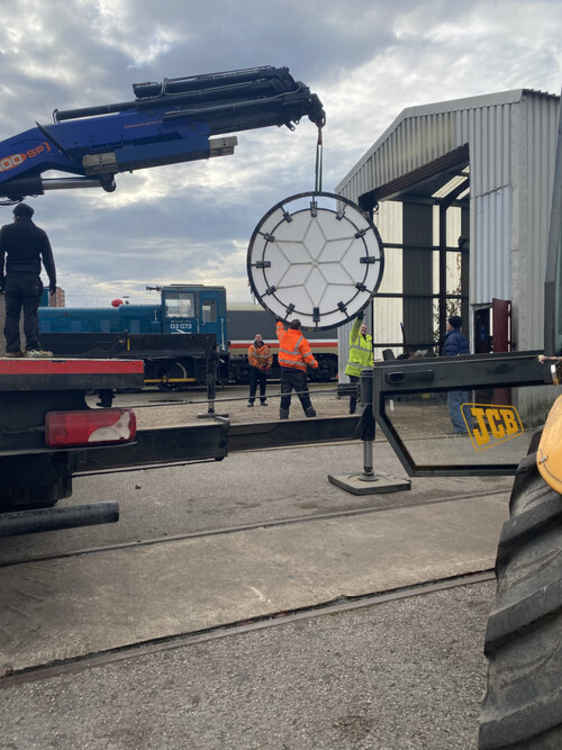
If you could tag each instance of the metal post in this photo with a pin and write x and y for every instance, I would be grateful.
(368, 482)
(442, 272)
(368, 424)
(211, 381)
(212, 364)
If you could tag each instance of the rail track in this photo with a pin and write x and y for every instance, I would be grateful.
(276, 619)
(388, 504)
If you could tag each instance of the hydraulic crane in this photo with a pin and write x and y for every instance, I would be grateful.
(165, 123)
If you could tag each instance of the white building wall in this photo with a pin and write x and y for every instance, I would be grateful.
(388, 317)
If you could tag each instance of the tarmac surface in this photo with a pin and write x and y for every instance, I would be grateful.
(205, 559)
(403, 675)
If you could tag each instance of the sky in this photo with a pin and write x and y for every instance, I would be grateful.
(191, 222)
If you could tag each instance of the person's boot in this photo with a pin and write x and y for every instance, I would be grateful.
(38, 354)
(310, 412)
(283, 414)
(250, 403)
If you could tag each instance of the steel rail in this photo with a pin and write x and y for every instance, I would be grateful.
(203, 402)
(240, 627)
(405, 502)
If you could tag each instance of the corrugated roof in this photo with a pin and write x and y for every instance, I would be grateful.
(439, 108)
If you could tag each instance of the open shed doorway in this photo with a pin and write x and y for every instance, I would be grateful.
(434, 272)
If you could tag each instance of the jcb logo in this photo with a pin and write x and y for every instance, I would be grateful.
(489, 424)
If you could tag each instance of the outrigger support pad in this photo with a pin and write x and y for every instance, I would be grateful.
(367, 482)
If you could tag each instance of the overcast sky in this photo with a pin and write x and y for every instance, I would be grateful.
(366, 60)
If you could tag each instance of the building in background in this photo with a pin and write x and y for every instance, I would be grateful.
(461, 192)
(53, 300)
(57, 299)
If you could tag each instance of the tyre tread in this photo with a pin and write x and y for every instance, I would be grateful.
(523, 704)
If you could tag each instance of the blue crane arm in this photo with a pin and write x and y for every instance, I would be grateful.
(168, 122)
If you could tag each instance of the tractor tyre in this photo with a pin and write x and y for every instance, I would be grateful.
(522, 708)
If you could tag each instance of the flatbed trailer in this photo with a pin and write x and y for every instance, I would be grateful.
(45, 422)
(48, 434)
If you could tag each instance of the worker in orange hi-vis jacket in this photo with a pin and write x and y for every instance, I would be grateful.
(260, 360)
(294, 356)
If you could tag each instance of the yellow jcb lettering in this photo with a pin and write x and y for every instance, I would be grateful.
(510, 421)
(498, 431)
(480, 433)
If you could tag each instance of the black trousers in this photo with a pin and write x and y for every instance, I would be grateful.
(293, 378)
(22, 290)
(354, 380)
(257, 376)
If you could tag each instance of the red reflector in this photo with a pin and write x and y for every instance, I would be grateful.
(65, 428)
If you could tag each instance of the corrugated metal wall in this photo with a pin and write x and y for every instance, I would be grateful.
(511, 137)
(537, 127)
(490, 246)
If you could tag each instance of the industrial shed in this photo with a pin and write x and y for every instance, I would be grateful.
(461, 193)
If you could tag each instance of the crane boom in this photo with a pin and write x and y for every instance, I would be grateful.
(168, 122)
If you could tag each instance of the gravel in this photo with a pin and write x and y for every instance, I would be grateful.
(402, 675)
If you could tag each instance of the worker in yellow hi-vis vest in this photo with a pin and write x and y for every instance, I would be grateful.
(360, 356)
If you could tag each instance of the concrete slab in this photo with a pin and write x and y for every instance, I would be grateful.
(243, 489)
(65, 608)
(360, 484)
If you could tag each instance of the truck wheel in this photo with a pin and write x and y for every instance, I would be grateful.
(523, 703)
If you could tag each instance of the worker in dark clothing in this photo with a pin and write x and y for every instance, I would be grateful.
(455, 344)
(294, 356)
(26, 245)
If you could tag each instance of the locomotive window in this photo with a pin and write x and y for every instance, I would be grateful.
(179, 305)
(209, 311)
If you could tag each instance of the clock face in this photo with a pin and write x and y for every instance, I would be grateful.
(315, 257)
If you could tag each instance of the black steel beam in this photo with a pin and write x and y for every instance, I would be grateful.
(159, 445)
(503, 370)
(401, 377)
(245, 437)
(52, 519)
(165, 445)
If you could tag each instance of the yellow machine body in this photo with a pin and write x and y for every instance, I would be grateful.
(549, 453)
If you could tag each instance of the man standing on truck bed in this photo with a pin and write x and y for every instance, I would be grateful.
(294, 355)
(26, 245)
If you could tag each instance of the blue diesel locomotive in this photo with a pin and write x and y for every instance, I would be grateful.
(148, 332)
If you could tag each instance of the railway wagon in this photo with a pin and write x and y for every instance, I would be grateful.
(244, 321)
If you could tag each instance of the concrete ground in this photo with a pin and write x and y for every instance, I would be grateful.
(257, 535)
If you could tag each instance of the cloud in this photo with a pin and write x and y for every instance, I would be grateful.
(366, 59)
